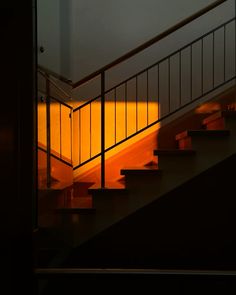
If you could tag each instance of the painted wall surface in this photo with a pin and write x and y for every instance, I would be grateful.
(108, 29)
(81, 36)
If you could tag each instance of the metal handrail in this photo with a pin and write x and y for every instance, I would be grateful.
(54, 84)
(101, 73)
(55, 75)
(189, 45)
(153, 65)
(149, 43)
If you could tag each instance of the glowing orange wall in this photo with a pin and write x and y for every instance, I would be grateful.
(86, 138)
(60, 144)
(86, 132)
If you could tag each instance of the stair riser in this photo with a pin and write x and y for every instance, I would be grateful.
(222, 123)
(147, 183)
(109, 202)
(185, 143)
(176, 163)
(218, 124)
(201, 142)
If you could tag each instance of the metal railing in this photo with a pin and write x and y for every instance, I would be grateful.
(64, 111)
(195, 58)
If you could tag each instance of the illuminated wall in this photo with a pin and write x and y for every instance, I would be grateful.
(120, 121)
(60, 141)
(60, 122)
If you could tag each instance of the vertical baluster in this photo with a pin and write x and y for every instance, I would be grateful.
(213, 59)
(80, 137)
(158, 90)
(147, 96)
(71, 147)
(115, 112)
(202, 70)
(103, 129)
(180, 78)
(60, 131)
(90, 129)
(126, 110)
(48, 132)
(224, 53)
(169, 69)
(191, 72)
(136, 101)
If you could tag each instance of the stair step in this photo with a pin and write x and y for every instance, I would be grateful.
(218, 115)
(140, 170)
(83, 211)
(56, 186)
(109, 187)
(207, 133)
(176, 152)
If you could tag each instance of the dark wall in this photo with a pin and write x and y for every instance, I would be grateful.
(191, 227)
(17, 144)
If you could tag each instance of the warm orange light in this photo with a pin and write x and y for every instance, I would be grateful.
(120, 121)
(117, 127)
(208, 107)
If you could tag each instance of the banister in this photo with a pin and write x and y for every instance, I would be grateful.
(182, 104)
(54, 84)
(149, 43)
(55, 75)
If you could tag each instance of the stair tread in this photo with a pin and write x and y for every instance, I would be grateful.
(200, 132)
(140, 170)
(109, 186)
(56, 186)
(174, 152)
(218, 115)
(76, 210)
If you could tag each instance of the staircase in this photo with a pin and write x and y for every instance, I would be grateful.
(191, 150)
(196, 151)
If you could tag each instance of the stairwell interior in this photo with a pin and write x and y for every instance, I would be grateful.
(104, 161)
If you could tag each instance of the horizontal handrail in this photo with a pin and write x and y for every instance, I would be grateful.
(55, 75)
(149, 43)
(54, 84)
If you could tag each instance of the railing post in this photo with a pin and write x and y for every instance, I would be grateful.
(48, 131)
(102, 129)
